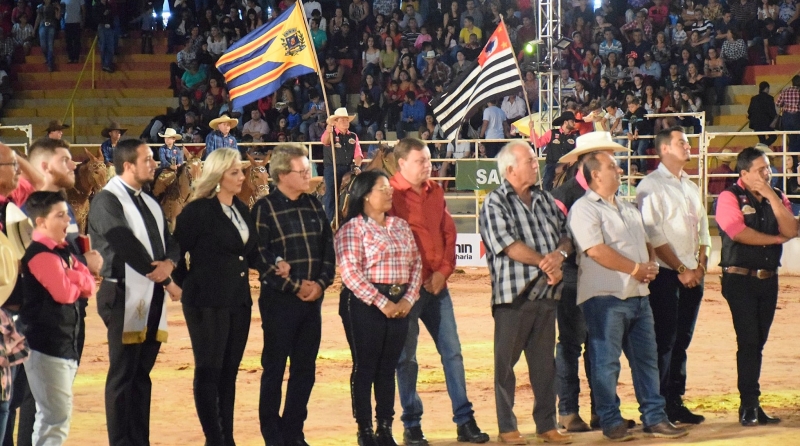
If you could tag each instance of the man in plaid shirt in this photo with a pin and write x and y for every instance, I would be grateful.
(526, 241)
(292, 228)
(789, 103)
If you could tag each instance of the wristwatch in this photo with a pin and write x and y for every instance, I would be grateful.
(682, 269)
(563, 253)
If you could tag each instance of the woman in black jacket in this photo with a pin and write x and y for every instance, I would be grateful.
(217, 231)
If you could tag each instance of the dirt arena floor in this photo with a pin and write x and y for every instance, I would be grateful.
(712, 379)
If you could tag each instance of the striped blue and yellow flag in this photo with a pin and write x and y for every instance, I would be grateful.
(261, 61)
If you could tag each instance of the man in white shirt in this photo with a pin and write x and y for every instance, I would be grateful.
(676, 224)
(310, 6)
(256, 128)
(494, 127)
(514, 108)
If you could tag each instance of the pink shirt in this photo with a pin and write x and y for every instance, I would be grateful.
(730, 217)
(65, 283)
(326, 140)
(19, 195)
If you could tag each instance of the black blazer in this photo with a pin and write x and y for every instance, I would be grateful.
(217, 274)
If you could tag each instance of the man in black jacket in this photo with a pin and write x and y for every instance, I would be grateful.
(761, 114)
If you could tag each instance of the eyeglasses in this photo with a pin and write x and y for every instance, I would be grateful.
(388, 190)
(14, 164)
(302, 173)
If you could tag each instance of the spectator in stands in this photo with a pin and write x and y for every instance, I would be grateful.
(105, 21)
(256, 129)
(148, 23)
(23, 7)
(412, 116)
(435, 70)
(673, 80)
(370, 58)
(475, 13)
(406, 65)
(209, 109)
(220, 136)
(724, 24)
(637, 45)
(460, 66)
(48, 18)
(640, 23)
(113, 132)
(679, 36)
(695, 104)
(393, 104)
(789, 102)
(185, 106)
(609, 45)
(495, 126)
(23, 34)
(745, 12)
(717, 72)
(169, 154)
(724, 167)
(372, 88)
(343, 44)
(684, 62)
(473, 48)
(55, 129)
(705, 28)
(336, 21)
(318, 36)
(631, 70)
(650, 68)
(311, 110)
(388, 58)
(74, 17)
(410, 35)
(469, 29)
(178, 30)
(409, 14)
(734, 53)
(217, 43)
(333, 74)
(638, 126)
(514, 108)
(773, 33)
(762, 115)
(658, 14)
(369, 116)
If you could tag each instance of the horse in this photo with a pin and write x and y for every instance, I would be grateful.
(173, 188)
(384, 160)
(256, 179)
(90, 178)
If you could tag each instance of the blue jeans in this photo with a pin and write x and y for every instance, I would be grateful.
(46, 36)
(436, 312)
(106, 41)
(4, 405)
(617, 326)
(791, 121)
(640, 147)
(329, 200)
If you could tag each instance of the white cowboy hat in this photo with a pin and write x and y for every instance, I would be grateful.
(430, 55)
(592, 142)
(340, 112)
(224, 118)
(171, 133)
(728, 157)
(18, 229)
(9, 268)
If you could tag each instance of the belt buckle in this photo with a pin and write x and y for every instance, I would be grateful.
(395, 290)
(763, 274)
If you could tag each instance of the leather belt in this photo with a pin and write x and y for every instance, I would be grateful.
(757, 273)
(394, 291)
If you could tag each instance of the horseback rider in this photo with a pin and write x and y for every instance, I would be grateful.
(345, 156)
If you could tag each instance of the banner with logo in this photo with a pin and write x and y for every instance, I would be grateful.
(477, 175)
(470, 250)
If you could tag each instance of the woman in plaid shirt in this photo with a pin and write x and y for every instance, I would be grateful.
(381, 271)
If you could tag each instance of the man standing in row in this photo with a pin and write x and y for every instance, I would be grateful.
(677, 226)
(526, 243)
(616, 264)
(755, 220)
(292, 227)
(420, 202)
(131, 305)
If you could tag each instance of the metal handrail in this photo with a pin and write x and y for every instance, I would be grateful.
(71, 106)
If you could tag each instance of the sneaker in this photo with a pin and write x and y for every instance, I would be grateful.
(618, 433)
(413, 436)
(574, 423)
(679, 413)
(665, 429)
(469, 432)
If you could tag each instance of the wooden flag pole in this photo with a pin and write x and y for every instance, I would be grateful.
(327, 109)
(519, 71)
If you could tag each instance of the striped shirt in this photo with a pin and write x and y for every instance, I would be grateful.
(22, 34)
(299, 233)
(789, 100)
(369, 253)
(505, 219)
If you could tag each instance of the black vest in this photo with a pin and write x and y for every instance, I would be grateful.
(762, 220)
(51, 327)
(345, 145)
(559, 145)
(568, 193)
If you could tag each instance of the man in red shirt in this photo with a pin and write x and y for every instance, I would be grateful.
(420, 202)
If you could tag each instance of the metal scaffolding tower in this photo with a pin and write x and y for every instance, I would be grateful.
(549, 62)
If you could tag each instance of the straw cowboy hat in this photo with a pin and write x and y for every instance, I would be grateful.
(113, 126)
(592, 142)
(19, 229)
(171, 133)
(55, 125)
(9, 268)
(223, 119)
(340, 112)
(763, 147)
(730, 156)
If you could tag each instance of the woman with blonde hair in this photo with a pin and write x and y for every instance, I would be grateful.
(219, 235)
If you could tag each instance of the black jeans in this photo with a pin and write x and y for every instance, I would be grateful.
(752, 302)
(219, 337)
(675, 310)
(72, 31)
(571, 340)
(128, 385)
(292, 330)
(375, 345)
